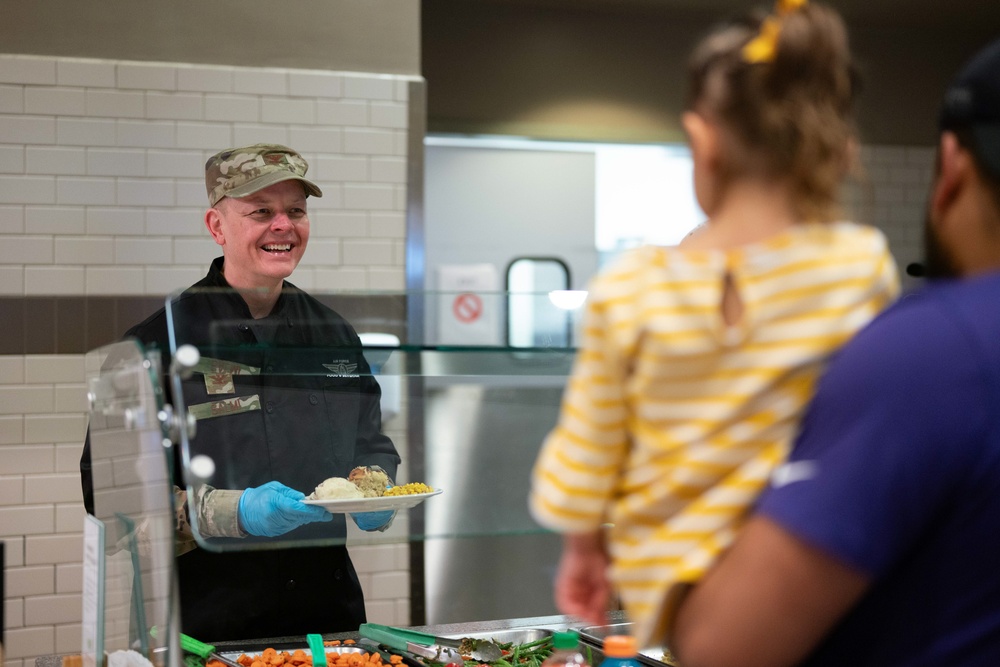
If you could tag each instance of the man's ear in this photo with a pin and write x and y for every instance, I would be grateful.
(213, 221)
(954, 170)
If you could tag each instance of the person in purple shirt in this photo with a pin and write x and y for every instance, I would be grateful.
(878, 541)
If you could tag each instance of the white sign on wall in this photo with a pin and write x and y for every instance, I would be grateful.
(92, 626)
(468, 305)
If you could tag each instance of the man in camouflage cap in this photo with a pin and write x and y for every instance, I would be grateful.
(270, 415)
(257, 196)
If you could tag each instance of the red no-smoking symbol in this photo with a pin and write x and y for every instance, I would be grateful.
(467, 307)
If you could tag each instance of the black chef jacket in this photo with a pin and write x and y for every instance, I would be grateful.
(318, 417)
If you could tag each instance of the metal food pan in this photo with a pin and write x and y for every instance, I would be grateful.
(595, 654)
(597, 633)
(648, 655)
(511, 635)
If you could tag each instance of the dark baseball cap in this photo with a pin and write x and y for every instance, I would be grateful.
(972, 102)
(239, 172)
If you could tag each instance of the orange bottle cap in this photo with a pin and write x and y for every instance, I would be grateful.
(619, 646)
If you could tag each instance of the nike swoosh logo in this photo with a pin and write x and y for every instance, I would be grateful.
(793, 471)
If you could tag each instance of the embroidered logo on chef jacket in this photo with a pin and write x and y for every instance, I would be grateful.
(219, 374)
(341, 368)
(227, 406)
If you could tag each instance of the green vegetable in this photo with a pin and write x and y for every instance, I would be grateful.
(529, 654)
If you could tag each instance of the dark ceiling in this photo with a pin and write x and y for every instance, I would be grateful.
(926, 13)
(601, 69)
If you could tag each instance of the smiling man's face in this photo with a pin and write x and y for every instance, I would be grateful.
(263, 235)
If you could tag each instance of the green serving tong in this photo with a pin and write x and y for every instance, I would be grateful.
(207, 651)
(317, 649)
(402, 640)
(200, 649)
(483, 650)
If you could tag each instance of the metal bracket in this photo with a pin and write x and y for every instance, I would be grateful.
(172, 423)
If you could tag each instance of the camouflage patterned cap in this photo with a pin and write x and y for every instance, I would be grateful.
(238, 172)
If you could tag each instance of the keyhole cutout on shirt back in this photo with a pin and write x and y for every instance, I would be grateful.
(732, 304)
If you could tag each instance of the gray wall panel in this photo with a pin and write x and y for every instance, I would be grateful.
(347, 35)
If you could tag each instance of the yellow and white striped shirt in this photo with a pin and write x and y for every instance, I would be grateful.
(672, 421)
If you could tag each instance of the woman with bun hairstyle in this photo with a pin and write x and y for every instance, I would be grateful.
(697, 360)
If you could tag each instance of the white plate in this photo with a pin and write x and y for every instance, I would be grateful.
(345, 505)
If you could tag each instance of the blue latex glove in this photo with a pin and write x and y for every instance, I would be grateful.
(374, 520)
(274, 509)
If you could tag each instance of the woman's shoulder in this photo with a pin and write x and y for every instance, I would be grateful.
(651, 272)
(651, 262)
(851, 236)
(813, 245)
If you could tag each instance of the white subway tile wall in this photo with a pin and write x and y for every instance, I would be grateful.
(893, 196)
(102, 193)
(11, 281)
(80, 140)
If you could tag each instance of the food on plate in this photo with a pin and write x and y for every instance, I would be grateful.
(336, 488)
(270, 657)
(363, 482)
(410, 489)
(372, 480)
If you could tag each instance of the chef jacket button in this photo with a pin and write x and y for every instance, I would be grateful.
(312, 399)
(244, 327)
(270, 407)
(269, 368)
(338, 574)
(290, 584)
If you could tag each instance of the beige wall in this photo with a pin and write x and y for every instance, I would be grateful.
(345, 35)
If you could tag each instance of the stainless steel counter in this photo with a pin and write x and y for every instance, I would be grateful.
(553, 623)
(542, 622)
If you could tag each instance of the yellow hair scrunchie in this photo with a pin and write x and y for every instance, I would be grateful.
(783, 7)
(762, 48)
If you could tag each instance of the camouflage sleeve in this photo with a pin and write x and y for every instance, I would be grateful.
(216, 517)
(184, 541)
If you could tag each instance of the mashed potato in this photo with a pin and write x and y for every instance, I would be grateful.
(336, 488)
(363, 482)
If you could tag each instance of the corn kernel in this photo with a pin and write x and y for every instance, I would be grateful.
(410, 489)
